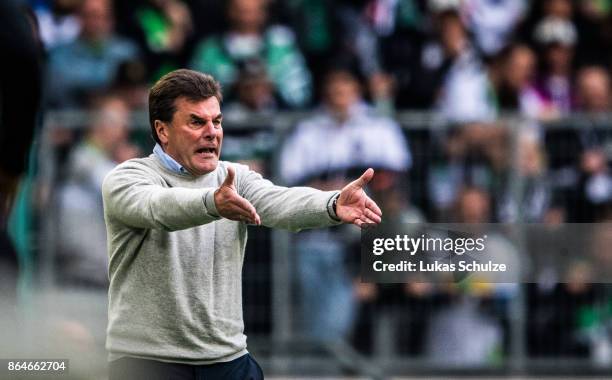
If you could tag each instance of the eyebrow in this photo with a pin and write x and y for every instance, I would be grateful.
(197, 118)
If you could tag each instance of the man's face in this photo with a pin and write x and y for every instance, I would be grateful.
(452, 35)
(559, 57)
(342, 91)
(96, 19)
(594, 90)
(474, 207)
(247, 15)
(520, 68)
(193, 137)
(111, 127)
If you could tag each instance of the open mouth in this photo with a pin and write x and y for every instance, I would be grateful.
(206, 150)
(206, 153)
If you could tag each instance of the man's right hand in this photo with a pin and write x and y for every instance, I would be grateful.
(232, 206)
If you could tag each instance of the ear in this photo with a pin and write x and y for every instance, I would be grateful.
(162, 131)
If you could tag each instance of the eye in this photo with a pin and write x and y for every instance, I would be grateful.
(197, 123)
(217, 123)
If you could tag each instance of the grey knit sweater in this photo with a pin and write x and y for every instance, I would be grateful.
(176, 267)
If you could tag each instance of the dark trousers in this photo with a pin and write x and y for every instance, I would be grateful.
(243, 368)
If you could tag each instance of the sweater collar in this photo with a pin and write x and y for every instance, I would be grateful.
(168, 162)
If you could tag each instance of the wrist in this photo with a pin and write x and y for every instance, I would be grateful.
(332, 207)
(210, 203)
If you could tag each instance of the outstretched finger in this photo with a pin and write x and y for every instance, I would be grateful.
(248, 210)
(371, 215)
(371, 205)
(367, 220)
(365, 178)
(229, 179)
(240, 214)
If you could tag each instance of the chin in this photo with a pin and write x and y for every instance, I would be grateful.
(206, 168)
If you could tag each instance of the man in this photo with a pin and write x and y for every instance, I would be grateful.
(87, 65)
(325, 151)
(177, 223)
(249, 38)
(84, 262)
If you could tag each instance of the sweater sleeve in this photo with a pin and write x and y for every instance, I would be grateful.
(135, 198)
(291, 208)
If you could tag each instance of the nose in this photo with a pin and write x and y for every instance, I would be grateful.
(209, 132)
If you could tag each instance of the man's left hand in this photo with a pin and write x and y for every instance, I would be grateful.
(354, 206)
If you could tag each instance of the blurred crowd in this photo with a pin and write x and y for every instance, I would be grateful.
(466, 61)
(351, 67)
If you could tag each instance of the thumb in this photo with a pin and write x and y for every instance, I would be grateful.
(365, 178)
(229, 179)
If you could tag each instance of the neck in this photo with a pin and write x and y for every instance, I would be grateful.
(169, 153)
(340, 115)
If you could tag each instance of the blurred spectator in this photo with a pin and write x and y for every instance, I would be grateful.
(591, 19)
(254, 94)
(480, 152)
(530, 200)
(89, 64)
(323, 152)
(594, 32)
(420, 62)
(593, 90)
(385, 16)
(254, 141)
(248, 39)
(571, 319)
(579, 163)
(470, 331)
(480, 93)
(593, 95)
(358, 22)
(556, 38)
(462, 336)
(131, 84)
(493, 22)
(318, 33)
(473, 206)
(344, 117)
(390, 190)
(162, 29)
(82, 256)
(558, 8)
(350, 30)
(481, 155)
(58, 21)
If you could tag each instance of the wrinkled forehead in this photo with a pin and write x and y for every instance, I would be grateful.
(208, 108)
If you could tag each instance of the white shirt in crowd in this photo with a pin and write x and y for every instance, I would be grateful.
(322, 144)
